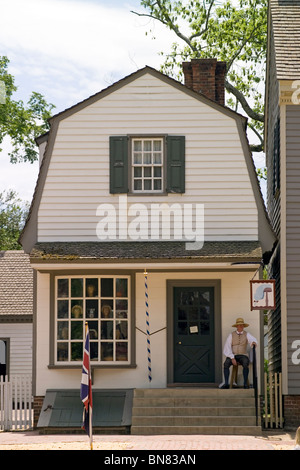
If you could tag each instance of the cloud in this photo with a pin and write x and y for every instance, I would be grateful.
(58, 44)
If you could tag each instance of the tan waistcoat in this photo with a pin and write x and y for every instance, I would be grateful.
(239, 343)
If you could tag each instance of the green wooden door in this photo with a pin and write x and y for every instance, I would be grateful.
(194, 333)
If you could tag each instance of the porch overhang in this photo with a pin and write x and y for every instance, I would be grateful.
(232, 252)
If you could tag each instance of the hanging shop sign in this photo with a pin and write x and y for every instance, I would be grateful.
(262, 294)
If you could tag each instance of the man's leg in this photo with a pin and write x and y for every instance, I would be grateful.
(244, 361)
(227, 365)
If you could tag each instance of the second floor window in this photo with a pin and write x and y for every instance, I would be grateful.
(147, 165)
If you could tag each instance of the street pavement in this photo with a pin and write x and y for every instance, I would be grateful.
(33, 440)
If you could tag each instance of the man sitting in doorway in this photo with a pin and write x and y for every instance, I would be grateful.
(235, 350)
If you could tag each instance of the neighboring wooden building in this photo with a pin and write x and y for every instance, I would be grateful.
(282, 138)
(16, 313)
(146, 143)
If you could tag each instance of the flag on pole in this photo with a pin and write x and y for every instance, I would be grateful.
(86, 387)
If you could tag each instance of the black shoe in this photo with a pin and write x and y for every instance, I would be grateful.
(246, 386)
(225, 386)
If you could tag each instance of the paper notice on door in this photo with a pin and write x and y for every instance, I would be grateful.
(194, 329)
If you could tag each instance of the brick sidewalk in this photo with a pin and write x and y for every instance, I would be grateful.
(32, 440)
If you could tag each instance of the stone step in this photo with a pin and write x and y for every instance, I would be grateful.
(192, 411)
(193, 392)
(192, 401)
(193, 421)
(197, 430)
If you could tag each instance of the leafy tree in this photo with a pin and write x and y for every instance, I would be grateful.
(234, 31)
(13, 214)
(22, 123)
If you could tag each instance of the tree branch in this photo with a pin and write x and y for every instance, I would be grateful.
(196, 35)
(246, 107)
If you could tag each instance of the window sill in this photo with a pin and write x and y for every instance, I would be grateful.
(93, 366)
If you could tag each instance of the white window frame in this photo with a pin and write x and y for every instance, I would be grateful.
(145, 165)
(116, 320)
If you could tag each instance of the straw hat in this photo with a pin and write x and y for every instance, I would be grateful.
(240, 321)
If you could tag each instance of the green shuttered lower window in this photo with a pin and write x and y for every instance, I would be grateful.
(147, 164)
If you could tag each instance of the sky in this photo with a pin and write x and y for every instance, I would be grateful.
(68, 50)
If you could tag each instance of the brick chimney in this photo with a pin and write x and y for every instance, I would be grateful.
(206, 76)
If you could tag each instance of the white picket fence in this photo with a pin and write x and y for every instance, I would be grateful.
(16, 399)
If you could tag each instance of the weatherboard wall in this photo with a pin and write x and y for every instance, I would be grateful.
(216, 173)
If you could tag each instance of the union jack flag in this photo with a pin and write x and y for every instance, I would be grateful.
(86, 386)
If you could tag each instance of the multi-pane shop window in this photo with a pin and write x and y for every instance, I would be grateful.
(102, 302)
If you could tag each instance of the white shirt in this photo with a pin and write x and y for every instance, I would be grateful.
(227, 351)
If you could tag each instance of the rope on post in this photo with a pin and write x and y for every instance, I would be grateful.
(148, 327)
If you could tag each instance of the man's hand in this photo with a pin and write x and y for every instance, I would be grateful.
(234, 361)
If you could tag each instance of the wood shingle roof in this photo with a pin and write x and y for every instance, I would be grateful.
(285, 23)
(16, 284)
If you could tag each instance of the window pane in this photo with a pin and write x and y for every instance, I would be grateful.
(91, 309)
(147, 158)
(91, 288)
(147, 185)
(121, 308)
(157, 158)
(121, 330)
(137, 145)
(63, 288)
(77, 310)
(106, 308)
(63, 330)
(121, 288)
(122, 351)
(138, 185)
(137, 160)
(106, 351)
(157, 185)
(93, 328)
(148, 171)
(94, 351)
(157, 171)
(147, 145)
(76, 330)
(107, 329)
(62, 309)
(157, 145)
(76, 287)
(138, 172)
(107, 287)
(76, 351)
(62, 352)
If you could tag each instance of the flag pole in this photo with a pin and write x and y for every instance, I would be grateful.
(86, 388)
(90, 392)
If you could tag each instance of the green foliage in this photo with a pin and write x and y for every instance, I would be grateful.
(22, 123)
(13, 214)
(234, 31)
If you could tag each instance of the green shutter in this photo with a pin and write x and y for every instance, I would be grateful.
(118, 147)
(175, 164)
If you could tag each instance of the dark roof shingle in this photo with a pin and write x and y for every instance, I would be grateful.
(173, 251)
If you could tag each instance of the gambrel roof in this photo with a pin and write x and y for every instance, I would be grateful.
(29, 235)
